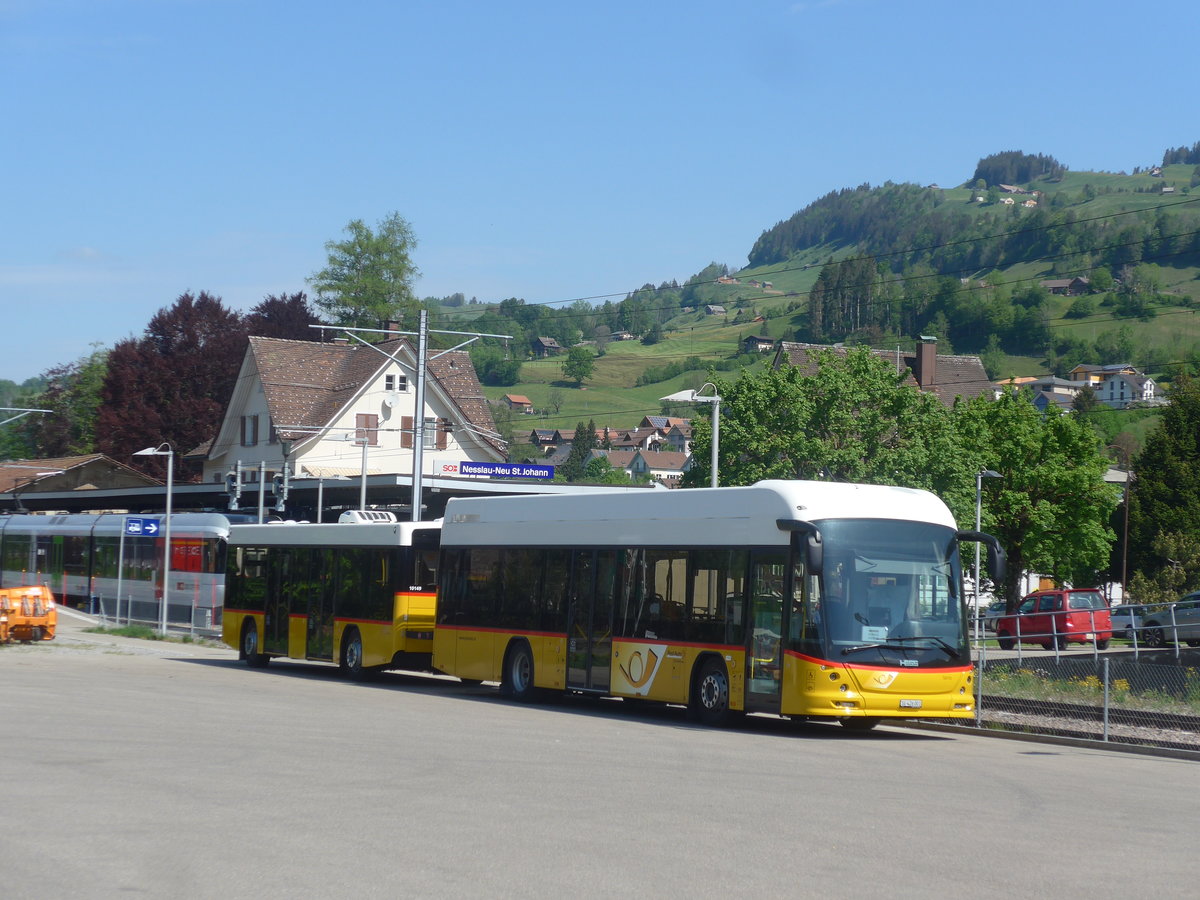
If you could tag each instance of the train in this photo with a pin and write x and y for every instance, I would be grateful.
(94, 563)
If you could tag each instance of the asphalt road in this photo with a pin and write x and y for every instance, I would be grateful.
(139, 768)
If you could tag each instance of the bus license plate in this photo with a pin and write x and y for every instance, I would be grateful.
(910, 704)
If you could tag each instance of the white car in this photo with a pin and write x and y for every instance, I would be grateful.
(988, 617)
(1126, 620)
(1173, 622)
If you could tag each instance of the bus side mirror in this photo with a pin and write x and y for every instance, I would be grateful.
(808, 538)
(997, 561)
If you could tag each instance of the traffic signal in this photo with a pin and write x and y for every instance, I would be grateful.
(279, 486)
(233, 487)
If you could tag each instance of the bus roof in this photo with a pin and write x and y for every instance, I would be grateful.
(339, 534)
(730, 516)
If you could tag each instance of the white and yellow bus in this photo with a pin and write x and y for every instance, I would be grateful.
(804, 599)
(358, 594)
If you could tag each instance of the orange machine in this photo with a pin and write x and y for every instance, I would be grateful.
(27, 614)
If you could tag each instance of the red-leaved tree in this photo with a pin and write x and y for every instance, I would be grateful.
(172, 384)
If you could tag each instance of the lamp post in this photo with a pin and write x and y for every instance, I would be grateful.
(694, 396)
(164, 449)
(979, 476)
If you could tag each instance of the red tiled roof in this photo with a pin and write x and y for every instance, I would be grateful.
(306, 383)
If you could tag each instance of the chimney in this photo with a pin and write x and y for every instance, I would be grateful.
(926, 373)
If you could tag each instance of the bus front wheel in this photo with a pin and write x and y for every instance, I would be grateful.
(250, 653)
(710, 699)
(518, 673)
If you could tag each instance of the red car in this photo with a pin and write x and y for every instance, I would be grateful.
(1058, 617)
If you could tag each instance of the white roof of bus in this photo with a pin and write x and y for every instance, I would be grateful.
(731, 516)
(336, 534)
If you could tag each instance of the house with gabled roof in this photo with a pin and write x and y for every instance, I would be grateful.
(1095, 374)
(634, 438)
(665, 466)
(545, 346)
(757, 344)
(945, 376)
(519, 403)
(1067, 287)
(1121, 389)
(314, 405)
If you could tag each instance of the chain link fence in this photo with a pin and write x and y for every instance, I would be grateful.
(1123, 692)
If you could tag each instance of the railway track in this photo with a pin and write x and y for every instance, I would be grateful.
(1128, 726)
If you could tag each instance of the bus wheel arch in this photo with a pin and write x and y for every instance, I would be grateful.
(248, 646)
(708, 701)
(517, 677)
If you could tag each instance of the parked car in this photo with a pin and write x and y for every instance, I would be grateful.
(990, 616)
(1173, 622)
(1058, 617)
(1126, 620)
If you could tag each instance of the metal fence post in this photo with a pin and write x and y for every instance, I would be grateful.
(1106, 696)
(979, 685)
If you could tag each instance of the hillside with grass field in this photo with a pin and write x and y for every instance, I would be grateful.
(882, 265)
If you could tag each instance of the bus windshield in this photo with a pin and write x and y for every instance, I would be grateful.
(890, 594)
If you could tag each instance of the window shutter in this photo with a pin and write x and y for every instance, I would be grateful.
(443, 433)
(366, 427)
(406, 432)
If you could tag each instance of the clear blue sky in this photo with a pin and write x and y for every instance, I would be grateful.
(543, 150)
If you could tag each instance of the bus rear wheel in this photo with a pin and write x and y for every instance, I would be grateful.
(250, 653)
(710, 699)
(518, 673)
(352, 656)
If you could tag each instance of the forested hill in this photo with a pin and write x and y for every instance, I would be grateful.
(971, 263)
(972, 228)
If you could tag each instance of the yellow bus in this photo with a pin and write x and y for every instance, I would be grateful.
(358, 594)
(803, 599)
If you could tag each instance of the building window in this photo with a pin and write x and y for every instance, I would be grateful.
(249, 431)
(431, 431)
(395, 383)
(366, 428)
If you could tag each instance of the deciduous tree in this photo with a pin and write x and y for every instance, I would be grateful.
(1051, 506)
(286, 316)
(579, 364)
(369, 279)
(73, 393)
(173, 382)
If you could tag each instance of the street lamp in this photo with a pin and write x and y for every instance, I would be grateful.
(694, 396)
(164, 449)
(979, 476)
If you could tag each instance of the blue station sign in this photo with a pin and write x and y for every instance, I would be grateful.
(506, 470)
(140, 526)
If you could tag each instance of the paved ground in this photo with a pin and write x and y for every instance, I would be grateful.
(143, 768)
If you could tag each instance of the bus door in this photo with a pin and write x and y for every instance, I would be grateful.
(280, 578)
(589, 620)
(764, 631)
(319, 633)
